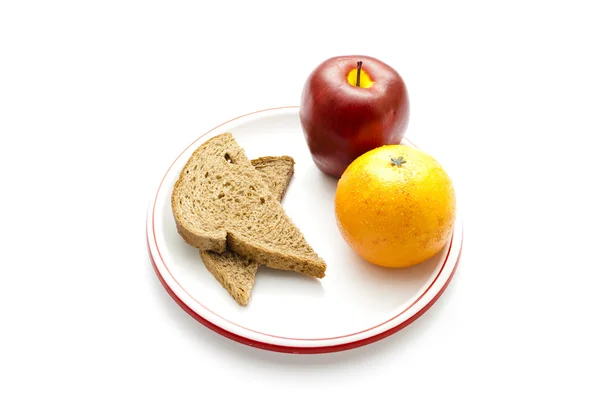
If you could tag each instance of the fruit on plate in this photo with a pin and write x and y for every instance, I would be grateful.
(350, 105)
(395, 206)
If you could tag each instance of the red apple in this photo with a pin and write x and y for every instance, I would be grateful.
(343, 119)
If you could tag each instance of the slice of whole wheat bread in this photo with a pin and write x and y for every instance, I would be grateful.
(236, 273)
(220, 202)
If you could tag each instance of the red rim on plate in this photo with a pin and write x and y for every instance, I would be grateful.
(276, 347)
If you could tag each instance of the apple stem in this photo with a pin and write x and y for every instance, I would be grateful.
(358, 67)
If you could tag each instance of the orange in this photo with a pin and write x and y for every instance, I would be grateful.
(395, 206)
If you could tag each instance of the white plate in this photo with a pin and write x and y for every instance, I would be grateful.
(355, 304)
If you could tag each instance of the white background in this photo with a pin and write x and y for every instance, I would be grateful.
(97, 99)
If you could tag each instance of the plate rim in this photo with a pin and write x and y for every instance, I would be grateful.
(308, 344)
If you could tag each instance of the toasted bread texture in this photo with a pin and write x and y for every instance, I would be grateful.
(220, 202)
(236, 273)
